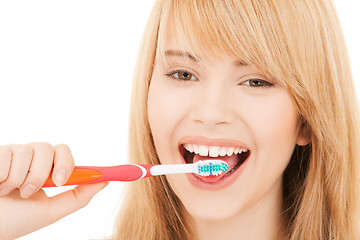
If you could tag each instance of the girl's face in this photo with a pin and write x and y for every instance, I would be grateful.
(217, 108)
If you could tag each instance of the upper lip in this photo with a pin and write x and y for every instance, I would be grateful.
(221, 142)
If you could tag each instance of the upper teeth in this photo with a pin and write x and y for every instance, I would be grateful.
(213, 151)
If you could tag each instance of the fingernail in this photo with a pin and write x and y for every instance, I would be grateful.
(5, 191)
(26, 191)
(60, 177)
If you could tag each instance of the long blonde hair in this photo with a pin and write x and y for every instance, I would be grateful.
(299, 43)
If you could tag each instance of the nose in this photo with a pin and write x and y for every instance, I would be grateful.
(212, 106)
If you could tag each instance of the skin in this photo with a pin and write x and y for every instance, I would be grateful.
(192, 97)
(24, 169)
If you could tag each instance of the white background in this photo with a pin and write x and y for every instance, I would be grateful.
(65, 76)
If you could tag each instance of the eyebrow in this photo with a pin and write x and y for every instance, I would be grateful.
(182, 54)
(196, 59)
(241, 63)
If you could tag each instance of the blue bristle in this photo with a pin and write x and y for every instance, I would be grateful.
(212, 168)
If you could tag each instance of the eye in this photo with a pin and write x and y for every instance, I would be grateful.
(257, 83)
(182, 75)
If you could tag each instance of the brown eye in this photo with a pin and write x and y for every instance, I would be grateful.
(182, 76)
(185, 76)
(257, 83)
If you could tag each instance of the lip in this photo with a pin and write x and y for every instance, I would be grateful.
(222, 142)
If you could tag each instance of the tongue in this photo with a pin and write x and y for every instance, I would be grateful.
(231, 161)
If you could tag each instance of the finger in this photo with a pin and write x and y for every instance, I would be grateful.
(21, 160)
(5, 161)
(72, 200)
(40, 168)
(63, 164)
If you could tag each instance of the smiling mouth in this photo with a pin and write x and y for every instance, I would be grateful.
(234, 156)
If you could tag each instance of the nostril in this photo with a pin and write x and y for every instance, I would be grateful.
(206, 122)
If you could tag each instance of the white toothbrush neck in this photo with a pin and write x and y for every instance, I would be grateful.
(173, 169)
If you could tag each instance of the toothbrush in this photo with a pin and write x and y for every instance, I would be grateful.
(133, 172)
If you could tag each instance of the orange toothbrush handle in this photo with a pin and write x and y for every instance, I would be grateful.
(92, 174)
(80, 175)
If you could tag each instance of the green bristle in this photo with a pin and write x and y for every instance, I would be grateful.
(215, 168)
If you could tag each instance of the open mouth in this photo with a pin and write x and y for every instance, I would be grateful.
(234, 156)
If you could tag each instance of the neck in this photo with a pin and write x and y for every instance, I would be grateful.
(261, 221)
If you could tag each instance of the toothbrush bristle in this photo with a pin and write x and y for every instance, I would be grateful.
(212, 167)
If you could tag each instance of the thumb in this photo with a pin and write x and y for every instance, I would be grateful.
(70, 201)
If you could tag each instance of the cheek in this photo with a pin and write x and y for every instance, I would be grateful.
(165, 111)
(272, 117)
(274, 126)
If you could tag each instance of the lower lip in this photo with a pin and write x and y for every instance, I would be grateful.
(222, 183)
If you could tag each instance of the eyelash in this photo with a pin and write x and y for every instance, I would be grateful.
(171, 74)
(263, 83)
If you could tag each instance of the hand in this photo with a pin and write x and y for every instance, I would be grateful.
(24, 206)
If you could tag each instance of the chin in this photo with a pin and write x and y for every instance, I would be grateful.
(219, 213)
(203, 204)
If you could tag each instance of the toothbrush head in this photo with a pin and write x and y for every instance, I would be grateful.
(211, 167)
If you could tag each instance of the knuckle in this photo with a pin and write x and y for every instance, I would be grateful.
(44, 146)
(63, 154)
(62, 147)
(5, 161)
(42, 150)
(23, 150)
(5, 153)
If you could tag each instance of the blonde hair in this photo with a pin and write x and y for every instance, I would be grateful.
(299, 43)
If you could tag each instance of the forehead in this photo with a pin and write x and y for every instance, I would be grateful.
(175, 43)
